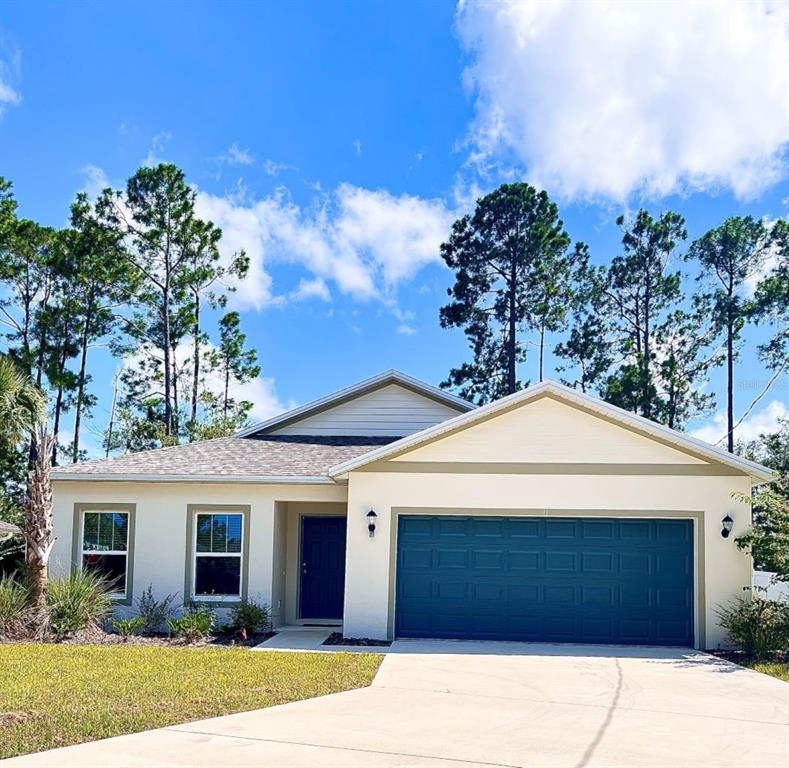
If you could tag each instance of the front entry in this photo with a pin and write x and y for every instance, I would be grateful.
(322, 567)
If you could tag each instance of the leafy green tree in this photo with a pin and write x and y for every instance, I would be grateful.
(729, 256)
(234, 362)
(154, 219)
(103, 284)
(768, 537)
(587, 351)
(205, 271)
(640, 291)
(504, 257)
(772, 302)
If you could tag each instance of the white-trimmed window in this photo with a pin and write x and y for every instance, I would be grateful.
(105, 546)
(217, 549)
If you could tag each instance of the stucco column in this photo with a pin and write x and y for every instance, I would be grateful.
(367, 560)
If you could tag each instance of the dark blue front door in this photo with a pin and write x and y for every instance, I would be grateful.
(322, 567)
(580, 580)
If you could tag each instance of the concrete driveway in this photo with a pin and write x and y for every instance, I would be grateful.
(461, 704)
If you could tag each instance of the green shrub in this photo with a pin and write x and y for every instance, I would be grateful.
(13, 606)
(757, 626)
(127, 627)
(249, 617)
(77, 602)
(154, 613)
(194, 624)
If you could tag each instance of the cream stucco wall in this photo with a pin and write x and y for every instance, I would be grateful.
(369, 591)
(160, 548)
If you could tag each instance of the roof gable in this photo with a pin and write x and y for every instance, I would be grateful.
(390, 404)
(548, 430)
(529, 434)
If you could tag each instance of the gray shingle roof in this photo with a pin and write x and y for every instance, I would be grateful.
(232, 457)
(8, 528)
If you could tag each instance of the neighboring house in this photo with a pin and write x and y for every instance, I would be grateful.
(547, 515)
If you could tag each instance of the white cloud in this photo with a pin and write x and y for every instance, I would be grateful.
(607, 99)
(10, 73)
(311, 289)
(764, 421)
(96, 181)
(365, 241)
(237, 156)
(155, 154)
(357, 146)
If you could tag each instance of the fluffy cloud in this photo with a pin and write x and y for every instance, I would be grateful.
(10, 65)
(365, 242)
(608, 99)
(761, 422)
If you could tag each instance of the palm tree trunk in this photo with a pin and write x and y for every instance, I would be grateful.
(39, 528)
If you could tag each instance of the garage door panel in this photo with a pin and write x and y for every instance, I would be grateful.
(507, 578)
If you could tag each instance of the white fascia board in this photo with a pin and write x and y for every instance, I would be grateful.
(154, 478)
(346, 393)
(678, 439)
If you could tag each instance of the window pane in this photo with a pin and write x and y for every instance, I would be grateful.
(90, 531)
(120, 533)
(219, 532)
(204, 533)
(217, 576)
(105, 531)
(233, 533)
(111, 567)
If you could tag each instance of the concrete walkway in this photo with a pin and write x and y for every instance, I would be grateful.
(454, 704)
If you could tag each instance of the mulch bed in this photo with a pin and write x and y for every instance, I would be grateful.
(744, 659)
(336, 638)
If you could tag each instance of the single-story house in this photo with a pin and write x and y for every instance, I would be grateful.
(399, 510)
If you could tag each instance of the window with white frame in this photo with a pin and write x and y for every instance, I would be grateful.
(217, 549)
(105, 546)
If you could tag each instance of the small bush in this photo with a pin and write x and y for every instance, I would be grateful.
(13, 606)
(127, 627)
(77, 602)
(193, 625)
(757, 626)
(154, 613)
(249, 617)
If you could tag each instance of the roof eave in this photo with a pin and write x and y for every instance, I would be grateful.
(142, 477)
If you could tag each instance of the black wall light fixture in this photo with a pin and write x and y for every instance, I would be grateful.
(726, 525)
(371, 518)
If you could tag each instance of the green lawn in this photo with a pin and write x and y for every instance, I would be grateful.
(54, 695)
(779, 669)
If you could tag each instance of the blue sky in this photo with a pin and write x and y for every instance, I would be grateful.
(336, 142)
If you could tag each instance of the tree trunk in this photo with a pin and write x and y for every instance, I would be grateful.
(168, 413)
(227, 388)
(511, 346)
(196, 360)
(646, 405)
(175, 393)
(80, 387)
(730, 385)
(542, 347)
(39, 529)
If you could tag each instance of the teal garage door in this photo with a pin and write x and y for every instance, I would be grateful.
(574, 580)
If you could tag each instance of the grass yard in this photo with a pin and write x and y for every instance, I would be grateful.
(779, 669)
(55, 695)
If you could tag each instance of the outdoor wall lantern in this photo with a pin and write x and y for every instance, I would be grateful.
(727, 524)
(371, 518)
